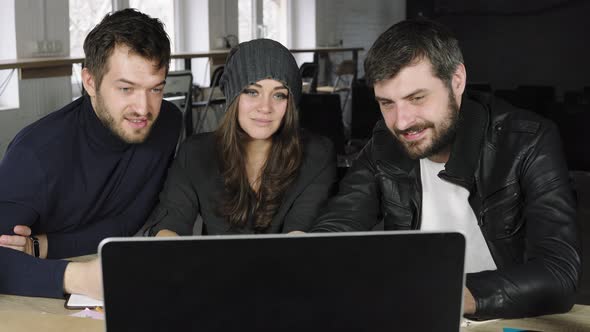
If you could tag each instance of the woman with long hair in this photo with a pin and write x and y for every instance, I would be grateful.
(257, 173)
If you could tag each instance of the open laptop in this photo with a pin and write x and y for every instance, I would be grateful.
(369, 281)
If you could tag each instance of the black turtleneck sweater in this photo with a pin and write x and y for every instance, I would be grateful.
(69, 177)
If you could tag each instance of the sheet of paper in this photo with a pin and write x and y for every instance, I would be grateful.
(81, 301)
(87, 313)
(468, 322)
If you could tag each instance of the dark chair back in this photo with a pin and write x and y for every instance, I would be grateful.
(178, 90)
(309, 74)
(216, 76)
(581, 183)
(365, 110)
(321, 114)
(572, 121)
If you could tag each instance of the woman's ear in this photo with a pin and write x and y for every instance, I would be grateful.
(88, 82)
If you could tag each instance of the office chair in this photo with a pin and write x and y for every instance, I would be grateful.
(321, 114)
(365, 111)
(215, 77)
(581, 184)
(309, 74)
(178, 91)
(344, 77)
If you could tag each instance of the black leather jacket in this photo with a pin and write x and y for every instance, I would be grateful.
(511, 162)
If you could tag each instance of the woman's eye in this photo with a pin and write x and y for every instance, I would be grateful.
(281, 96)
(250, 92)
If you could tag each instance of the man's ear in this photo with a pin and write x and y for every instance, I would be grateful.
(459, 80)
(89, 82)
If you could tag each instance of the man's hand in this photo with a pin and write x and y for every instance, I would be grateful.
(22, 242)
(84, 278)
(166, 233)
(468, 302)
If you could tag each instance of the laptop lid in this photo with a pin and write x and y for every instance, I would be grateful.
(369, 281)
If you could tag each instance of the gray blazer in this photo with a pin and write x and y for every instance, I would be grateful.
(194, 186)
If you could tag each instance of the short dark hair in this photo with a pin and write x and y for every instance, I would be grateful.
(408, 42)
(145, 36)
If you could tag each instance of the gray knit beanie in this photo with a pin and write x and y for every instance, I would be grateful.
(256, 60)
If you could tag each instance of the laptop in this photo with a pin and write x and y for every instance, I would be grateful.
(365, 281)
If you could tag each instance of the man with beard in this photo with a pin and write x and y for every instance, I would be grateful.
(92, 169)
(442, 160)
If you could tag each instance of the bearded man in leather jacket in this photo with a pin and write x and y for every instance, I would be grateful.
(442, 160)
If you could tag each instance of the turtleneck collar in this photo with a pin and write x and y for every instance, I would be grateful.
(99, 136)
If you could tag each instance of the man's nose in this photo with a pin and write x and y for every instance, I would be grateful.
(405, 116)
(141, 103)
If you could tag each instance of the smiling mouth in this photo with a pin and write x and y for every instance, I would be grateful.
(137, 123)
(262, 122)
(413, 135)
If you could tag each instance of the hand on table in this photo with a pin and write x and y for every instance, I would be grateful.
(84, 278)
(468, 302)
(166, 233)
(21, 241)
(296, 232)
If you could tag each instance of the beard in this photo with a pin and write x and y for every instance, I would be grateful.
(136, 136)
(443, 134)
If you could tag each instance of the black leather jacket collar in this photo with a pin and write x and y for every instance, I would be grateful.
(465, 152)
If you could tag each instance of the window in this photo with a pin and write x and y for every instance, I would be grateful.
(245, 19)
(263, 19)
(161, 9)
(8, 77)
(84, 15)
(274, 20)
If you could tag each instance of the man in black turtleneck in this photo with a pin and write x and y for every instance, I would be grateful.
(92, 169)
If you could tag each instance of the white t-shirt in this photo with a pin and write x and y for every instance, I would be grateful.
(445, 207)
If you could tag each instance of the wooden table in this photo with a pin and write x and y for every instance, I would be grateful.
(62, 66)
(19, 313)
(577, 320)
(22, 313)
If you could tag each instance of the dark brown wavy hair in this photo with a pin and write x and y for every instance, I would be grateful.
(240, 202)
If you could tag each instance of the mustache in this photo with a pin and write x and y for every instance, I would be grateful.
(414, 128)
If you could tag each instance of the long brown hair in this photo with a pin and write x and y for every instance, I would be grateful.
(239, 202)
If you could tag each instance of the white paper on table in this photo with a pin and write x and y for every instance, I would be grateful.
(82, 301)
(87, 313)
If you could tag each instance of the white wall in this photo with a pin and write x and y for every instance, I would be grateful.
(193, 34)
(38, 97)
(223, 19)
(303, 33)
(203, 22)
(356, 23)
